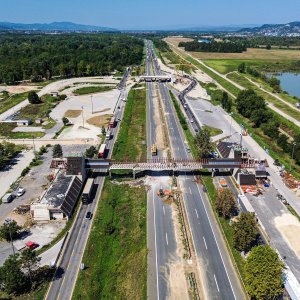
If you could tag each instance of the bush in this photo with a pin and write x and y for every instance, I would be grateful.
(33, 98)
(25, 171)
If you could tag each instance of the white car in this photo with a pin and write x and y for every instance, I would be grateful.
(20, 192)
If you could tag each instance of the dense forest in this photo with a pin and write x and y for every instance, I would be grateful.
(34, 57)
(222, 47)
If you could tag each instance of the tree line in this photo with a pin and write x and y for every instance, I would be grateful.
(254, 108)
(7, 152)
(221, 47)
(25, 57)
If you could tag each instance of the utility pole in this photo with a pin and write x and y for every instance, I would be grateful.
(8, 222)
(230, 123)
(33, 146)
(294, 144)
(82, 117)
(92, 104)
(241, 142)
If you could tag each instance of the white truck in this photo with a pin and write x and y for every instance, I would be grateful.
(107, 136)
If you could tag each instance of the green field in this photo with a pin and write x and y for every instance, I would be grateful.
(131, 142)
(8, 102)
(212, 130)
(116, 252)
(93, 89)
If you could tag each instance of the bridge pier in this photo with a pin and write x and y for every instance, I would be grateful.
(133, 173)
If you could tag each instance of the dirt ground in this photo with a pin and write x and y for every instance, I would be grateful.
(289, 227)
(160, 139)
(175, 40)
(72, 113)
(18, 89)
(99, 121)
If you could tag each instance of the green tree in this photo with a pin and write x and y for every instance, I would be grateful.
(283, 143)
(225, 203)
(65, 120)
(90, 152)
(12, 279)
(10, 230)
(242, 68)
(226, 102)
(33, 98)
(263, 274)
(57, 151)
(270, 129)
(203, 143)
(268, 47)
(103, 131)
(245, 231)
(30, 263)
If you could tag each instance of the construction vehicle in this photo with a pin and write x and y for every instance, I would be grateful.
(154, 150)
(164, 193)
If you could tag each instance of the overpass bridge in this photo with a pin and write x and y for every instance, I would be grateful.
(75, 165)
(157, 78)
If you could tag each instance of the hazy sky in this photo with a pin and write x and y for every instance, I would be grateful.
(124, 14)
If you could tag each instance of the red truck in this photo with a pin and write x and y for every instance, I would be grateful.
(101, 153)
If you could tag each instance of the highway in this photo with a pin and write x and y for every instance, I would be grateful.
(218, 275)
(161, 240)
(68, 266)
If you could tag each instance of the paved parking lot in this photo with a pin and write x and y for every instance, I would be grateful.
(279, 223)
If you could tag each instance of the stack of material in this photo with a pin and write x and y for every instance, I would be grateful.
(290, 181)
(22, 209)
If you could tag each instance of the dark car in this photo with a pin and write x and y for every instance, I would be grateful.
(88, 215)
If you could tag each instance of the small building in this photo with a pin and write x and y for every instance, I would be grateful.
(60, 199)
(54, 94)
(23, 122)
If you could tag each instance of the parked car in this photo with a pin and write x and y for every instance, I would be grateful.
(21, 191)
(7, 198)
(88, 215)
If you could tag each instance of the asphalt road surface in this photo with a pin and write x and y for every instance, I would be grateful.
(220, 279)
(161, 240)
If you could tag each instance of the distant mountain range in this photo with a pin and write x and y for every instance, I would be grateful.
(53, 27)
(289, 29)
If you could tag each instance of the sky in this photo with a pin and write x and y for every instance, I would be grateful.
(151, 14)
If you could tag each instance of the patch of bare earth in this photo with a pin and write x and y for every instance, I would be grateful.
(72, 113)
(160, 136)
(289, 227)
(99, 121)
(175, 40)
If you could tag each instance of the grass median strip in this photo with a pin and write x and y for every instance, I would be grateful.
(131, 141)
(116, 252)
(92, 89)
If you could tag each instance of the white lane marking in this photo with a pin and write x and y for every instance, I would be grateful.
(164, 210)
(190, 190)
(216, 241)
(196, 213)
(167, 239)
(205, 242)
(157, 289)
(216, 283)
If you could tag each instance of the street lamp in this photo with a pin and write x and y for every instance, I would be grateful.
(33, 146)
(242, 127)
(294, 144)
(82, 117)
(92, 104)
(8, 223)
(230, 114)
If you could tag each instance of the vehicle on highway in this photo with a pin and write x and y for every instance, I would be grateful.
(112, 122)
(215, 154)
(7, 198)
(87, 191)
(102, 150)
(154, 150)
(191, 121)
(107, 136)
(88, 215)
(21, 191)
